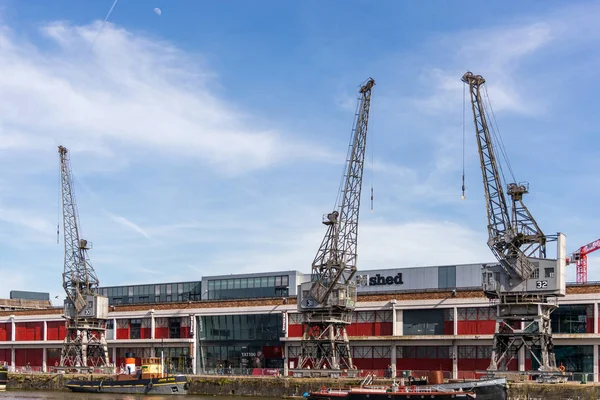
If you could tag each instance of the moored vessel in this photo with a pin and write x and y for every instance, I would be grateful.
(150, 379)
(3, 377)
(486, 389)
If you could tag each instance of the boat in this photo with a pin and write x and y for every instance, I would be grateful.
(483, 389)
(150, 379)
(3, 377)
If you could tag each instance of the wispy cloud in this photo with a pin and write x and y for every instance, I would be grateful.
(127, 92)
(130, 225)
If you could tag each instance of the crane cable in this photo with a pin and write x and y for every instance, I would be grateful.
(498, 142)
(58, 203)
(371, 136)
(463, 140)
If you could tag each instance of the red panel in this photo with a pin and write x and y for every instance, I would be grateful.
(52, 362)
(351, 330)
(5, 356)
(21, 331)
(145, 333)
(37, 330)
(120, 362)
(272, 352)
(363, 363)
(380, 363)
(589, 325)
(386, 329)
(161, 333)
(448, 327)
(5, 332)
(32, 356)
(56, 330)
(486, 327)
(122, 333)
(298, 330)
(185, 332)
(423, 364)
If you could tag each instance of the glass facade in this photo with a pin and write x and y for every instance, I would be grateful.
(573, 358)
(247, 288)
(240, 342)
(423, 322)
(573, 318)
(156, 293)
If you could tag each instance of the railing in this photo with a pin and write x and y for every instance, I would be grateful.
(242, 371)
(582, 377)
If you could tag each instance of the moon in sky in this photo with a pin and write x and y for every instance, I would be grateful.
(158, 11)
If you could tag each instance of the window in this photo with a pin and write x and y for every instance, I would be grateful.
(278, 281)
(536, 273)
(168, 298)
(168, 289)
(157, 290)
(549, 272)
(179, 288)
(244, 283)
(144, 299)
(135, 326)
(285, 280)
(174, 328)
(117, 300)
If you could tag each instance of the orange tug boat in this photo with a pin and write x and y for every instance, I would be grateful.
(151, 379)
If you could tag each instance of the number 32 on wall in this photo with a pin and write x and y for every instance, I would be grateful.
(541, 284)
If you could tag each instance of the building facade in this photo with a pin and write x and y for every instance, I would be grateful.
(412, 319)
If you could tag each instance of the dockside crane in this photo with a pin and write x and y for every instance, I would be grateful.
(327, 302)
(525, 283)
(85, 311)
(579, 257)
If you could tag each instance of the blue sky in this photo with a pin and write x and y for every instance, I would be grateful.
(210, 139)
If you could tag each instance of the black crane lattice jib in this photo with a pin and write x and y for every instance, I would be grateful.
(327, 302)
(523, 286)
(84, 345)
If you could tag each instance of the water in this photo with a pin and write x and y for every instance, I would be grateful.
(58, 395)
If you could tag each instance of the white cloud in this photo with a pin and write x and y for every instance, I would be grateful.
(130, 225)
(381, 245)
(126, 92)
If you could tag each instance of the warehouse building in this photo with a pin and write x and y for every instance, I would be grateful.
(414, 319)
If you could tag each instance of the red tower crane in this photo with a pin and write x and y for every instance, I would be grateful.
(580, 259)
